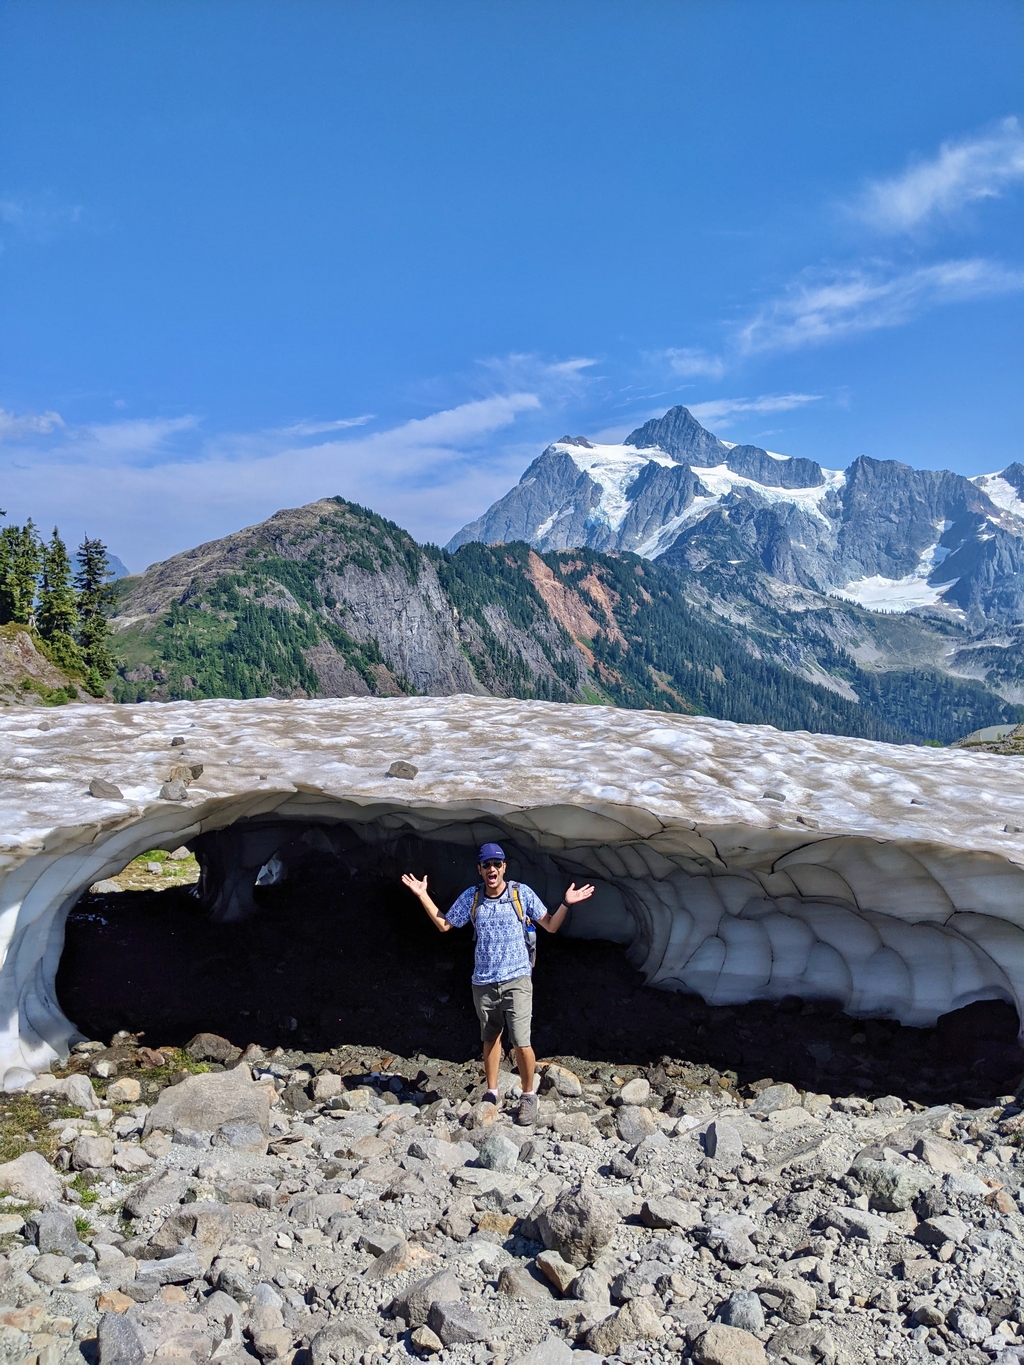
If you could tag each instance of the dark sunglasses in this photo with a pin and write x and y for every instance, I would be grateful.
(493, 862)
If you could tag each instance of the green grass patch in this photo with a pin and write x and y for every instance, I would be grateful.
(24, 1121)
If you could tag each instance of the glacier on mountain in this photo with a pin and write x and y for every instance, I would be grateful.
(880, 533)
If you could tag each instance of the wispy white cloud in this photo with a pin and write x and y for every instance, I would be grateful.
(14, 426)
(821, 306)
(721, 409)
(321, 428)
(38, 218)
(693, 363)
(431, 474)
(981, 166)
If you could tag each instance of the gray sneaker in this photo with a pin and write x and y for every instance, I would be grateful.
(528, 1109)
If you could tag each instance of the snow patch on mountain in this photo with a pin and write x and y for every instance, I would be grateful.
(899, 595)
(720, 481)
(615, 468)
(1002, 493)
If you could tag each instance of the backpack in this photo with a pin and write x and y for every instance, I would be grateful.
(529, 930)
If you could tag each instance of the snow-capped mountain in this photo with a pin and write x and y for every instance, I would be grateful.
(879, 533)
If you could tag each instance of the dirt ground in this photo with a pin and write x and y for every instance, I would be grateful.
(332, 961)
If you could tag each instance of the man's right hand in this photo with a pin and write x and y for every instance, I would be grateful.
(416, 885)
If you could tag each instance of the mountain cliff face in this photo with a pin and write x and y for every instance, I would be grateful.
(880, 534)
(332, 600)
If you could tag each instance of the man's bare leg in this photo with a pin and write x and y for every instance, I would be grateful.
(526, 1060)
(492, 1062)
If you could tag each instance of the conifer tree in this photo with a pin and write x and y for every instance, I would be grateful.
(95, 596)
(57, 609)
(20, 562)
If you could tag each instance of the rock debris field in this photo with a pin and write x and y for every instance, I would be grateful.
(345, 1206)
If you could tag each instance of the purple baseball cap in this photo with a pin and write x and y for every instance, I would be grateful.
(490, 851)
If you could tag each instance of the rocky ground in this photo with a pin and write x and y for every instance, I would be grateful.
(352, 1206)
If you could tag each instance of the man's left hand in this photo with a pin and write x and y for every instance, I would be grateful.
(576, 894)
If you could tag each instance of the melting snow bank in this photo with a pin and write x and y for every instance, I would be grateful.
(737, 862)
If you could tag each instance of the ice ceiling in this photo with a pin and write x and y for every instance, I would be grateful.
(737, 862)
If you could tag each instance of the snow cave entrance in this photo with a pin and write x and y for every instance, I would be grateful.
(299, 934)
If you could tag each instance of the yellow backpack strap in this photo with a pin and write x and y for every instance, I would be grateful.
(475, 905)
(513, 888)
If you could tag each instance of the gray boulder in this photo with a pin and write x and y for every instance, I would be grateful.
(579, 1225)
(742, 1309)
(31, 1177)
(54, 1231)
(784, 1096)
(498, 1153)
(457, 1324)
(225, 1105)
(892, 1186)
(343, 1341)
(728, 1236)
(160, 1191)
(415, 1302)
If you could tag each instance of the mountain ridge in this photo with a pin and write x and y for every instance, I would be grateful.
(331, 599)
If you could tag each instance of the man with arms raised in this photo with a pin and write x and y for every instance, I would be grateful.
(503, 915)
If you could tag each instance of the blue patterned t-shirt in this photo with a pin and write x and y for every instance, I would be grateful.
(500, 946)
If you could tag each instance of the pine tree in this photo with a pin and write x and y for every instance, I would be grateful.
(20, 562)
(95, 595)
(57, 610)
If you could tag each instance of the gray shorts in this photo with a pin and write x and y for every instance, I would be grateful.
(505, 1005)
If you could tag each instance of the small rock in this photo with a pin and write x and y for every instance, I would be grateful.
(51, 1269)
(405, 770)
(773, 796)
(54, 1231)
(179, 855)
(92, 1153)
(669, 1212)
(721, 1345)
(742, 1309)
(944, 1228)
(728, 1236)
(174, 791)
(633, 1123)
(125, 1091)
(793, 1300)
(105, 790)
(806, 1345)
(558, 1271)
(457, 1324)
(783, 1096)
(636, 1091)
(113, 1301)
(635, 1321)
(723, 1143)
(563, 1081)
(414, 1303)
(130, 1158)
(551, 1351)
(106, 887)
(939, 1154)
(498, 1153)
(517, 1282)
(400, 1259)
(326, 1086)
(104, 1068)
(31, 1177)
(211, 1047)
(969, 1325)
(178, 742)
(425, 1342)
(343, 1340)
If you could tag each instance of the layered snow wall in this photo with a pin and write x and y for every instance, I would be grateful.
(737, 862)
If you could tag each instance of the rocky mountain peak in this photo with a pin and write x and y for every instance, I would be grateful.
(680, 435)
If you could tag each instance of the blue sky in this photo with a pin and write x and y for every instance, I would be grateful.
(254, 254)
